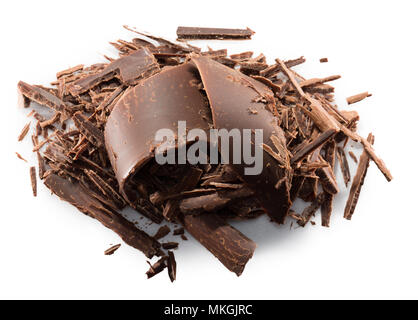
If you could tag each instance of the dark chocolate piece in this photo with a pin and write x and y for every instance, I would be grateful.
(213, 202)
(358, 97)
(88, 129)
(129, 69)
(43, 97)
(226, 243)
(157, 267)
(171, 266)
(358, 181)
(20, 157)
(178, 231)
(170, 245)
(323, 60)
(32, 172)
(24, 132)
(112, 250)
(191, 33)
(162, 232)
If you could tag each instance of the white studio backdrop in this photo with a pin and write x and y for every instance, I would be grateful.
(50, 250)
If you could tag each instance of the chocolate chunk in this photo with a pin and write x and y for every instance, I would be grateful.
(24, 132)
(170, 245)
(157, 267)
(358, 97)
(358, 181)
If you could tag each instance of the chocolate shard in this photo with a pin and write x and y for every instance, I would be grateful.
(193, 33)
(309, 211)
(313, 145)
(44, 98)
(358, 182)
(129, 69)
(88, 129)
(32, 172)
(213, 202)
(345, 169)
(157, 267)
(170, 245)
(112, 250)
(226, 243)
(358, 97)
(162, 232)
(172, 266)
(81, 198)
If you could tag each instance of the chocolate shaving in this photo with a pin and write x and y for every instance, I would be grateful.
(171, 266)
(170, 245)
(358, 97)
(353, 156)
(32, 171)
(194, 33)
(24, 132)
(20, 157)
(112, 250)
(313, 145)
(157, 267)
(358, 181)
(129, 69)
(345, 169)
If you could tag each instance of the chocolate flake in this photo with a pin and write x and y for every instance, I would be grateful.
(112, 250)
(24, 132)
(358, 181)
(172, 266)
(195, 33)
(358, 97)
(32, 171)
(162, 232)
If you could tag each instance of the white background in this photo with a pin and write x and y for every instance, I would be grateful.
(50, 250)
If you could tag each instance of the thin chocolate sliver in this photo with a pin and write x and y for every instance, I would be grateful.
(170, 245)
(112, 250)
(20, 157)
(32, 171)
(172, 266)
(157, 267)
(358, 181)
(358, 97)
(195, 33)
(345, 169)
(24, 132)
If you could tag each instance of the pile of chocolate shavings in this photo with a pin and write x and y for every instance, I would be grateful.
(74, 164)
